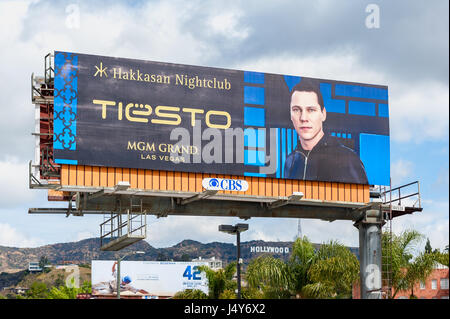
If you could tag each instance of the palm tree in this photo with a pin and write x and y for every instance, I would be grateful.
(332, 273)
(220, 281)
(407, 271)
(327, 273)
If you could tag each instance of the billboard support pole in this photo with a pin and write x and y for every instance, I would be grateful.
(370, 254)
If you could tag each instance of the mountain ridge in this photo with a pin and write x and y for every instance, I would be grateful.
(14, 259)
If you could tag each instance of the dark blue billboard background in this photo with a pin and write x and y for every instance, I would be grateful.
(121, 113)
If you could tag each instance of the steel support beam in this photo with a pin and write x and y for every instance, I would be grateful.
(370, 254)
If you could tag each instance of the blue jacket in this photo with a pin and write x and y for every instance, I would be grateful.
(328, 161)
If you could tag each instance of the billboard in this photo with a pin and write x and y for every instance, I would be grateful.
(116, 112)
(147, 278)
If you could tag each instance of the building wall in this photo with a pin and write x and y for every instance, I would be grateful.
(427, 293)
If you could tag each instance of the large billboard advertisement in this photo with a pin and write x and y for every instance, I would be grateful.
(147, 278)
(129, 113)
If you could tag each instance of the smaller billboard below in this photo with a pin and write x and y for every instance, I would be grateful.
(147, 278)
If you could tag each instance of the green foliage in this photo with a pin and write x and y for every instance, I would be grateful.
(64, 292)
(407, 270)
(220, 280)
(332, 272)
(38, 290)
(228, 294)
(442, 258)
(190, 294)
(428, 248)
(327, 273)
(270, 275)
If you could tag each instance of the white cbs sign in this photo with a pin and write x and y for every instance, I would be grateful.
(222, 184)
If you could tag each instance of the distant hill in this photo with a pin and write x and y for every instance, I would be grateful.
(82, 252)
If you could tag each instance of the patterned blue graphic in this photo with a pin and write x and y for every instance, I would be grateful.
(65, 101)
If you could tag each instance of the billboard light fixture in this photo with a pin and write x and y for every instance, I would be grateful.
(122, 186)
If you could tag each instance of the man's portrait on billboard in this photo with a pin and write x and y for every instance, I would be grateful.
(318, 156)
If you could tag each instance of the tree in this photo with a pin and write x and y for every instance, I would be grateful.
(327, 273)
(332, 273)
(64, 292)
(190, 294)
(38, 290)
(43, 261)
(428, 248)
(220, 280)
(405, 269)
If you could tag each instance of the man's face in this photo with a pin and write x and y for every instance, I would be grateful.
(307, 116)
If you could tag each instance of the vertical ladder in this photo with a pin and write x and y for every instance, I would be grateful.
(386, 255)
(123, 228)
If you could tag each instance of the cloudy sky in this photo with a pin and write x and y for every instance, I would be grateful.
(408, 50)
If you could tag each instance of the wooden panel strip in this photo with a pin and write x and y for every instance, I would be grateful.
(155, 181)
(64, 174)
(315, 190)
(141, 179)
(198, 182)
(288, 187)
(334, 191)
(328, 190)
(354, 192)
(308, 190)
(321, 190)
(111, 176)
(95, 176)
(366, 194)
(282, 186)
(163, 180)
(148, 179)
(184, 182)
(72, 175)
(88, 175)
(103, 176)
(275, 187)
(80, 175)
(177, 181)
(170, 180)
(360, 191)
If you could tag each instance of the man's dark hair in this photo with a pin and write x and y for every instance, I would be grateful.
(309, 85)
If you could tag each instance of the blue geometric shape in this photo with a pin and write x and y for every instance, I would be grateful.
(278, 152)
(254, 116)
(361, 108)
(66, 161)
(255, 138)
(65, 101)
(365, 92)
(331, 105)
(291, 81)
(253, 95)
(254, 174)
(283, 150)
(374, 152)
(383, 110)
(253, 77)
(252, 157)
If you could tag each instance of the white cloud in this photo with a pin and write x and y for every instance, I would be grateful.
(339, 65)
(11, 237)
(226, 24)
(401, 170)
(85, 235)
(14, 189)
(419, 112)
